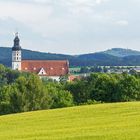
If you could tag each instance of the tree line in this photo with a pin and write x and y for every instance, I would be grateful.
(101, 87)
(21, 92)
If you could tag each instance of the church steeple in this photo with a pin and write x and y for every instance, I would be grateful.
(16, 54)
(16, 46)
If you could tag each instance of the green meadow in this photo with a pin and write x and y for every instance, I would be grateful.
(120, 121)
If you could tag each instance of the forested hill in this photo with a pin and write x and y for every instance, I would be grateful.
(6, 55)
(101, 58)
(119, 52)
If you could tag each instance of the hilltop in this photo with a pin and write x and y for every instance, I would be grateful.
(100, 122)
(114, 57)
(120, 52)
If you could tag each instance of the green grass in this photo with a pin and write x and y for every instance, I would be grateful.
(94, 122)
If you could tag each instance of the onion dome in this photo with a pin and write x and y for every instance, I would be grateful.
(16, 46)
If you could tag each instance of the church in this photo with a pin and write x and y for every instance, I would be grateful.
(52, 69)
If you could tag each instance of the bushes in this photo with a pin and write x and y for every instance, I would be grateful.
(129, 88)
(59, 97)
(27, 92)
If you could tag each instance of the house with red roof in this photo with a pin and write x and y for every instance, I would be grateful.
(44, 68)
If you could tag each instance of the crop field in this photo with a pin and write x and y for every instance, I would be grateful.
(120, 121)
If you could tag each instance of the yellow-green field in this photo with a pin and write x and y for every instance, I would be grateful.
(95, 122)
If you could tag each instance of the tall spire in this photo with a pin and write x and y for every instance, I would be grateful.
(16, 54)
(16, 46)
(16, 34)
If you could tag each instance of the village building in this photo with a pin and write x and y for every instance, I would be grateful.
(53, 69)
(137, 69)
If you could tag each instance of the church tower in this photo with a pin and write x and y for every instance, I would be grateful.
(16, 54)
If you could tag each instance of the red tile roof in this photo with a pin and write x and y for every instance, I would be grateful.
(74, 77)
(51, 67)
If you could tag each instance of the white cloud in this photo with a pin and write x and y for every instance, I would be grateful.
(101, 1)
(122, 22)
(27, 13)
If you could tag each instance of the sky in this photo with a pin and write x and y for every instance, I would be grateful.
(71, 26)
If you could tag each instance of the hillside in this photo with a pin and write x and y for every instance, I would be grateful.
(119, 52)
(101, 58)
(94, 122)
(6, 54)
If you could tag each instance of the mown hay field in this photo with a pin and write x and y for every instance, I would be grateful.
(120, 121)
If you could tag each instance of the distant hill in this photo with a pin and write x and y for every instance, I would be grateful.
(119, 52)
(101, 58)
(6, 55)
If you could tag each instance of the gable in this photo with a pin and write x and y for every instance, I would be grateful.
(42, 72)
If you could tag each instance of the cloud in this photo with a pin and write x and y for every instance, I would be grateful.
(101, 1)
(24, 12)
(63, 25)
(122, 22)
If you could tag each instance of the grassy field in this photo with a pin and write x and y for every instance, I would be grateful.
(95, 122)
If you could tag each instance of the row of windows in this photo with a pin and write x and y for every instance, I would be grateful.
(36, 68)
(16, 53)
(17, 58)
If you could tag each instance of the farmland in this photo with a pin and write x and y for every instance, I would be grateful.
(118, 121)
